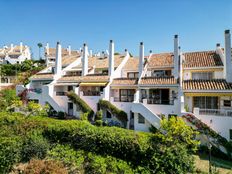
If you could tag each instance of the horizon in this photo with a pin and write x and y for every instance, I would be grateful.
(126, 22)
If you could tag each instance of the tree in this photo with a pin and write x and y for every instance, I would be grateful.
(40, 45)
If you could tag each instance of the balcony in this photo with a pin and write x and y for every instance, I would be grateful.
(160, 101)
(35, 90)
(92, 93)
(61, 93)
(215, 112)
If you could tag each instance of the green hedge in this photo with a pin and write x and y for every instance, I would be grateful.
(120, 114)
(81, 103)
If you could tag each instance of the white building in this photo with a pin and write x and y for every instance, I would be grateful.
(15, 54)
(146, 88)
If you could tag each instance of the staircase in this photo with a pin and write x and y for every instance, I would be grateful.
(147, 114)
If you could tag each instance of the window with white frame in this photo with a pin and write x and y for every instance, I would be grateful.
(202, 75)
(227, 103)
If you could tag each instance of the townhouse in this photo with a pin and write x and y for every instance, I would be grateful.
(14, 54)
(147, 88)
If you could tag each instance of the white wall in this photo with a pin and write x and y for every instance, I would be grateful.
(141, 127)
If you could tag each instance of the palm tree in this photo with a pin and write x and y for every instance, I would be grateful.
(40, 45)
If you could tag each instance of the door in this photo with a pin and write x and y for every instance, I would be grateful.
(164, 96)
(70, 109)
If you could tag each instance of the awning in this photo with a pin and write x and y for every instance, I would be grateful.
(207, 94)
(93, 84)
(65, 84)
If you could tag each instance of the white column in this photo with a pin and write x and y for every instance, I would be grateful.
(141, 58)
(227, 61)
(69, 50)
(85, 60)
(47, 48)
(176, 57)
(111, 58)
(58, 64)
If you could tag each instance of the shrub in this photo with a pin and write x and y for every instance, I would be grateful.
(121, 115)
(9, 153)
(81, 103)
(98, 118)
(61, 115)
(34, 146)
(43, 167)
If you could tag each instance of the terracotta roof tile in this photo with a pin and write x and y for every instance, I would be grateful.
(52, 52)
(125, 81)
(132, 64)
(48, 76)
(88, 78)
(158, 81)
(215, 84)
(102, 63)
(202, 59)
(160, 60)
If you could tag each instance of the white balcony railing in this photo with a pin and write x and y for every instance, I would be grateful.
(216, 112)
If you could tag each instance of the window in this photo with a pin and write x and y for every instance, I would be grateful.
(162, 73)
(127, 95)
(104, 71)
(227, 103)
(231, 134)
(202, 75)
(70, 88)
(205, 102)
(141, 119)
(132, 74)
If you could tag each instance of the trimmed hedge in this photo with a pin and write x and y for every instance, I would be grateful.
(82, 104)
(120, 114)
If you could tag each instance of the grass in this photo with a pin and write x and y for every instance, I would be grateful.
(219, 165)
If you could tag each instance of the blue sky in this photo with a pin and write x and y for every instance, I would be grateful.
(200, 24)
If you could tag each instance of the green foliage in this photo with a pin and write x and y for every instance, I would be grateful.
(9, 153)
(98, 118)
(34, 146)
(84, 116)
(61, 115)
(8, 99)
(81, 103)
(35, 109)
(120, 114)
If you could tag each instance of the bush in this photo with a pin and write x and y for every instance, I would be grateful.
(98, 118)
(120, 114)
(9, 153)
(61, 115)
(81, 103)
(34, 146)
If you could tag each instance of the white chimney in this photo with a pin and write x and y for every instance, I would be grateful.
(85, 60)
(58, 64)
(126, 52)
(11, 46)
(141, 59)
(21, 47)
(90, 53)
(176, 57)
(227, 61)
(69, 50)
(111, 58)
(47, 48)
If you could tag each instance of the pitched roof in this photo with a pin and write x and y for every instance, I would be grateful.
(102, 63)
(47, 76)
(214, 84)
(64, 52)
(160, 60)
(68, 59)
(125, 81)
(132, 64)
(202, 59)
(88, 78)
(158, 81)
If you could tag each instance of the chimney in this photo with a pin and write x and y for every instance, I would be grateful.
(176, 57)
(21, 47)
(85, 60)
(47, 48)
(111, 58)
(69, 50)
(126, 52)
(227, 61)
(11, 46)
(58, 64)
(90, 53)
(141, 59)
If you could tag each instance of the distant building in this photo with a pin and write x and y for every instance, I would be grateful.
(14, 54)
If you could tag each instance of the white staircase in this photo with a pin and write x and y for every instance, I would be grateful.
(147, 114)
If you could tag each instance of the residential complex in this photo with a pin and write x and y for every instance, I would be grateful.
(14, 54)
(147, 87)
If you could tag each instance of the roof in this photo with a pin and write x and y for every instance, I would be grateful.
(158, 81)
(214, 84)
(102, 63)
(88, 78)
(64, 51)
(125, 81)
(132, 64)
(68, 59)
(160, 60)
(202, 59)
(47, 76)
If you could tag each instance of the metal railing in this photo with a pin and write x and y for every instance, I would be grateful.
(215, 112)
(36, 90)
(160, 101)
(124, 99)
(91, 93)
(61, 93)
